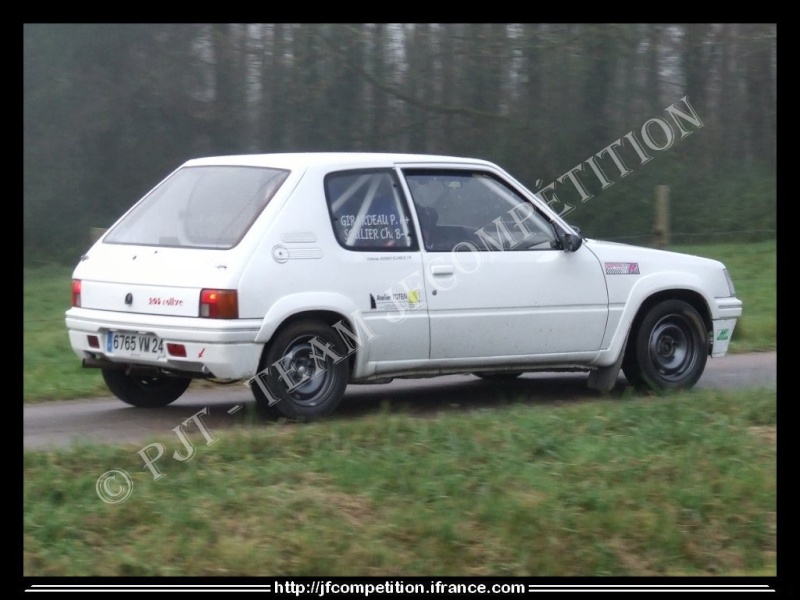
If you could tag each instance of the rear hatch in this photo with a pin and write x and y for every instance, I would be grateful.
(178, 240)
(146, 280)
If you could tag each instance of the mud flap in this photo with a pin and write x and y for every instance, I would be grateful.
(605, 378)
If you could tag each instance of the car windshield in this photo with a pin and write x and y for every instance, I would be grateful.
(200, 207)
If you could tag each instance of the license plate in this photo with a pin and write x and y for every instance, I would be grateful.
(134, 345)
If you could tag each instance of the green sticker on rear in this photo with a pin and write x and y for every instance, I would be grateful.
(723, 334)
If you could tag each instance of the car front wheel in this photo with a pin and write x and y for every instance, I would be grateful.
(669, 349)
(145, 392)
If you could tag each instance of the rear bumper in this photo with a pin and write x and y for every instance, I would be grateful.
(214, 347)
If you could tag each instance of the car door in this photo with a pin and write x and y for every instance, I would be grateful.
(497, 281)
(380, 265)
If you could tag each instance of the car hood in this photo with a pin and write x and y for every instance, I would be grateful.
(628, 268)
(617, 252)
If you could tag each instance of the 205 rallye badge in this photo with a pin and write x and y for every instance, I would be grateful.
(622, 268)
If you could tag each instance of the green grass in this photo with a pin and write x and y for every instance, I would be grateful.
(632, 486)
(753, 268)
(52, 371)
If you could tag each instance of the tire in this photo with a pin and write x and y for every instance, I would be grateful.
(669, 348)
(499, 376)
(313, 380)
(145, 392)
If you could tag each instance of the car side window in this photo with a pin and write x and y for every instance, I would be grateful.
(368, 212)
(474, 210)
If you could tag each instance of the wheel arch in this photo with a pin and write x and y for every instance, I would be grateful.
(691, 297)
(632, 317)
(329, 317)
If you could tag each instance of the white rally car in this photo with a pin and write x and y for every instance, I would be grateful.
(300, 273)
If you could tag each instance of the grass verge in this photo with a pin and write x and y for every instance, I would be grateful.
(636, 486)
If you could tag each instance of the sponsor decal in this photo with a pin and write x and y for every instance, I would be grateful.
(622, 268)
(724, 334)
(413, 297)
(391, 300)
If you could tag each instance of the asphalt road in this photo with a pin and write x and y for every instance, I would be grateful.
(108, 420)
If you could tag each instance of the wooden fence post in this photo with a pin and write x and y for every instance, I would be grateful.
(661, 230)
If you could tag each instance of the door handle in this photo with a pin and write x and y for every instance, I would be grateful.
(442, 270)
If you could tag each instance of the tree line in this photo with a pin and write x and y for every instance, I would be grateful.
(110, 109)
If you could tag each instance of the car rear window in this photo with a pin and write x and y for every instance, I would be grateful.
(200, 207)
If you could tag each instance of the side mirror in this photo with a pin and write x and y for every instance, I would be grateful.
(571, 242)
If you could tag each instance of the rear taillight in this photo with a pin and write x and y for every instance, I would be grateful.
(76, 292)
(219, 304)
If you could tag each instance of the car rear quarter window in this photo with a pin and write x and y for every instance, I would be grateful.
(368, 211)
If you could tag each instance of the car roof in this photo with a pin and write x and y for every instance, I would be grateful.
(293, 160)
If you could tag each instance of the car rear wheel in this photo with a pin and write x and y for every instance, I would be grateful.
(145, 392)
(305, 372)
(669, 348)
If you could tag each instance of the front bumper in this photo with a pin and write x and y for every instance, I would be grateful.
(728, 312)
